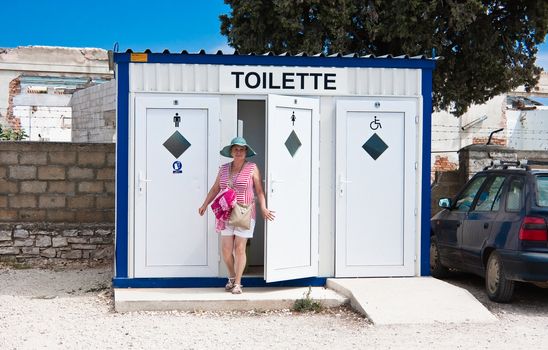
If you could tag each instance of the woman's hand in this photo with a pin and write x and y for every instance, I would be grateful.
(202, 210)
(268, 214)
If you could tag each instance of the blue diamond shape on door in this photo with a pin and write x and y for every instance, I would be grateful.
(176, 144)
(293, 143)
(375, 146)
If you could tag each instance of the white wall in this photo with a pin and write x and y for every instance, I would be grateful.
(49, 61)
(528, 130)
(448, 135)
(45, 123)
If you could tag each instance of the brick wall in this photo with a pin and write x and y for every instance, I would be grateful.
(94, 113)
(56, 202)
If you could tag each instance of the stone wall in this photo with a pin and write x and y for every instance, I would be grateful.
(56, 202)
(42, 244)
(94, 113)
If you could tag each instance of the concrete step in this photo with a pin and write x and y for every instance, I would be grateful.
(216, 299)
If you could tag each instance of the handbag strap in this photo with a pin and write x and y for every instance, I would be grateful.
(230, 176)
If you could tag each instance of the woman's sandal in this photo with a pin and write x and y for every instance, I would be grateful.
(230, 284)
(237, 289)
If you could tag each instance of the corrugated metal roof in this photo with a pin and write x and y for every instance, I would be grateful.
(286, 54)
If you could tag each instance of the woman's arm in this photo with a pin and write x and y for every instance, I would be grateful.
(267, 214)
(210, 195)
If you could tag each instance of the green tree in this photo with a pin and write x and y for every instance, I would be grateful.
(488, 47)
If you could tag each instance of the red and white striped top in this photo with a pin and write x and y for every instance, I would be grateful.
(242, 182)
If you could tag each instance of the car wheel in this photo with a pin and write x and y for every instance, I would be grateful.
(499, 288)
(437, 270)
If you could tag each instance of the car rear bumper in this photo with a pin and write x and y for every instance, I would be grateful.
(525, 266)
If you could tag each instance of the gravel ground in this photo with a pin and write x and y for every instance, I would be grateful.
(73, 309)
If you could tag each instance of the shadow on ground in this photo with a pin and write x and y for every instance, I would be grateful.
(527, 298)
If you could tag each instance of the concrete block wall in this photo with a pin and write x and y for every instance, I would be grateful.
(56, 202)
(474, 158)
(94, 113)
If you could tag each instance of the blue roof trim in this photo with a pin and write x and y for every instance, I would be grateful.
(335, 60)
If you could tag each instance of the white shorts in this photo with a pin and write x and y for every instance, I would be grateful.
(238, 231)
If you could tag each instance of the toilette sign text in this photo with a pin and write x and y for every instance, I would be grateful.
(287, 80)
(238, 79)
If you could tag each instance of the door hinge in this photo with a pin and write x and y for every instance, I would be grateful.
(416, 119)
(415, 258)
(416, 165)
(416, 212)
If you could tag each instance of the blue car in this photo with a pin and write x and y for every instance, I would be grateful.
(496, 227)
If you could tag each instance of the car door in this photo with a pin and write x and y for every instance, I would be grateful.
(479, 222)
(506, 226)
(448, 227)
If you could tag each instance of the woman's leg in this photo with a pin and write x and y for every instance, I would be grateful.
(239, 253)
(227, 243)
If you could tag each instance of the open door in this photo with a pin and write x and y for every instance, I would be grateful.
(291, 244)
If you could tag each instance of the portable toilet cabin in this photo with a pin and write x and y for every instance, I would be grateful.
(343, 147)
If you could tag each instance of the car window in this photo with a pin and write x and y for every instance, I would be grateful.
(542, 190)
(489, 195)
(515, 191)
(464, 201)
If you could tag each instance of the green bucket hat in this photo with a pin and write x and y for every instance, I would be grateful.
(237, 141)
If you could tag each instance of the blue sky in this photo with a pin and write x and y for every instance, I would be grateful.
(173, 24)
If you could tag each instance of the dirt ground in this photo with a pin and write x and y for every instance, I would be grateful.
(73, 309)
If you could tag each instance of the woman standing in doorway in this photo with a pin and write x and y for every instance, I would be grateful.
(245, 179)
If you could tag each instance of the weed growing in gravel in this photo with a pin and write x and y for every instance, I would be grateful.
(307, 304)
(14, 265)
(99, 288)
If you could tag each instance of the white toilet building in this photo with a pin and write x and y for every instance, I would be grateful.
(343, 147)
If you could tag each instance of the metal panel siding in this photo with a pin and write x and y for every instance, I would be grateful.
(192, 78)
(158, 77)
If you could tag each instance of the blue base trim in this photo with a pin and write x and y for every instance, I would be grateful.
(211, 282)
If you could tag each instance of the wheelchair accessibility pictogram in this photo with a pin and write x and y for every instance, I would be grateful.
(375, 124)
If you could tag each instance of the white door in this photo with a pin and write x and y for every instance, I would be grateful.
(375, 199)
(291, 244)
(176, 155)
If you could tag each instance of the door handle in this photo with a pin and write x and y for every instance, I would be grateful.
(342, 183)
(486, 225)
(274, 181)
(141, 182)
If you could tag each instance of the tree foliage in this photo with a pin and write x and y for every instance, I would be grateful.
(488, 47)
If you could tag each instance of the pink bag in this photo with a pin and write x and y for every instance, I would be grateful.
(224, 202)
